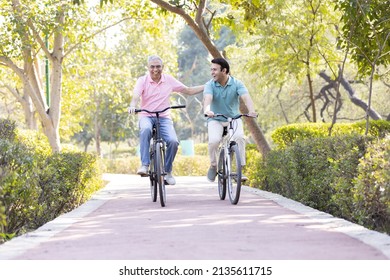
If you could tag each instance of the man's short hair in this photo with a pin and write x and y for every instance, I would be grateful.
(222, 62)
(154, 57)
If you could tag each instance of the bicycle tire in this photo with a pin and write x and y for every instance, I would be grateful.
(234, 174)
(221, 173)
(160, 173)
(153, 175)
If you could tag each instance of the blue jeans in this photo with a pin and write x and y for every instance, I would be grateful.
(168, 134)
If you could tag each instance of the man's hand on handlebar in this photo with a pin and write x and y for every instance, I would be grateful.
(253, 114)
(209, 114)
(131, 110)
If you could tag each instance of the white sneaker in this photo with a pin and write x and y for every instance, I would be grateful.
(169, 179)
(143, 170)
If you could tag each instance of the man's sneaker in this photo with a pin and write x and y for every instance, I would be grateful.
(212, 173)
(169, 179)
(143, 170)
(243, 178)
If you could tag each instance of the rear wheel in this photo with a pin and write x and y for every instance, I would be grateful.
(221, 173)
(160, 173)
(234, 174)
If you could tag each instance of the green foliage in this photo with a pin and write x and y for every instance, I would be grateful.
(201, 149)
(7, 129)
(190, 165)
(69, 179)
(254, 164)
(317, 172)
(35, 141)
(365, 32)
(36, 186)
(372, 187)
(286, 135)
(127, 165)
(18, 186)
(345, 175)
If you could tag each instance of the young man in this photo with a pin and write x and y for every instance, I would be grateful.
(154, 90)
(222, 95)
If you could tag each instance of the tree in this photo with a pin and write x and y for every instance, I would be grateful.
(200, 16)
(294, 37)
(31, 31)
(366, 35)
(10, 87)
(104, 72)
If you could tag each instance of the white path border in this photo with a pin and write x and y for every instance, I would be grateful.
(21, 244)
(378, 240)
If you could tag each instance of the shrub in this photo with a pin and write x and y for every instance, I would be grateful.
(128, 165)
(201, 149)
(372, 188)
(35, 185)
(191, 165)
(318, 172)
(18, 186)
(7, 129)
(286, 135)
(69, 179)
(35, 141)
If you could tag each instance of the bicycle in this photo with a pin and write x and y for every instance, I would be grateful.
(157, 157)
(229, 168)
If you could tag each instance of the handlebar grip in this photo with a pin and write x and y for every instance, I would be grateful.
(137, 110)
(178, 106)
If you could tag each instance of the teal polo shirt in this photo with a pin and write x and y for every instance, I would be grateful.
(225, 99)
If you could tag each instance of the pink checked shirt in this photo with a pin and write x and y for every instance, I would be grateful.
(155, 96)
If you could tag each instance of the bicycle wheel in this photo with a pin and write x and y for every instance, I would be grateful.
(234, 174)
(160, 173)
(221, 171)
(152, 175)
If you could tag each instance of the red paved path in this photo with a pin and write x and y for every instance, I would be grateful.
(122, 223)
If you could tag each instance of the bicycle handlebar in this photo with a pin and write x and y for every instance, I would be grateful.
(154, 112)
(233, 118)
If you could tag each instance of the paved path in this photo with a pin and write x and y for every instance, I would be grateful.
(121, 222)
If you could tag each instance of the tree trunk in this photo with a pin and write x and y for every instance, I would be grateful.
(312, 100)
(97, 135)
(28, 108)
(30, 75)
(29, 113)
(256, 132)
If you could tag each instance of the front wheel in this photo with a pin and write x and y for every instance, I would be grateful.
(152, 175)
(221, 173)
(234, 174)
(160, 173)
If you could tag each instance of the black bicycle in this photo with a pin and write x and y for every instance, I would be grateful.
(157, 157)
(229, 169)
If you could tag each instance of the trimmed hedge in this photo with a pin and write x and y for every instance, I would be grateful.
(288, 134)
(347, 176)
(36, 186)
(371, 191)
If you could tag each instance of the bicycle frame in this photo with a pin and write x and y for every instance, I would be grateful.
(229, 162)
(157, 157)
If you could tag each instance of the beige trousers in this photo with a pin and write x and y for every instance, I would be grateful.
(215, 130)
